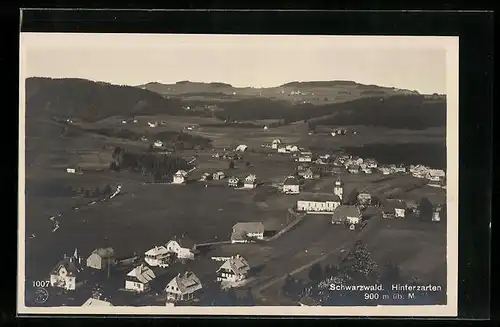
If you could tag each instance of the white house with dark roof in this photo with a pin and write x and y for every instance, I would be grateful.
(234, 181)
(291, 185)
(218, 175)
(394, 209)
(318, 203)
(250, 181)
(346, 214)
(241, 148)
(101, 258)
(67, 273)
(156, 256)
(276, 143)
(364, 198)
(235, 269)
(139, 279)
(183, 247)
(180, 177)
(247, 231)
(183, 287)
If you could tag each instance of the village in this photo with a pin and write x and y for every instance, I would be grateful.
(335, 193)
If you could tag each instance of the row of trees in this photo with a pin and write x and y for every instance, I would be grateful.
(158, 167)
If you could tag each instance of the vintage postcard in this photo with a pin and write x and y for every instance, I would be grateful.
(270, 175)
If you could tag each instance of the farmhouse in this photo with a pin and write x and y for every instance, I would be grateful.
(92, 302)
(152, 124)
(321, 161)
(436, 214)
(346, 214)
(318, 203)
(235, 269)
(101, 258)
(371, 163)
(180, 177)
(353, 168)
(385, 170)
(156, 256)
(394, 209)
(282, 149)
(250, 181)
(276, 143)
(234, 181)
(67, 273)
(205, 177)
(305, 157)
(219, 175)
(435, 175)
(183, 287)
(291, 185)
(309, 173)
(183, 247)
(247, 232)
(241, 148)
(364, 198)
(139, 279)
(291, 148)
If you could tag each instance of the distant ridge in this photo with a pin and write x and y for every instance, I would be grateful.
(320, 84)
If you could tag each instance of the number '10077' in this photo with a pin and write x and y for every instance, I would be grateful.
(41, 283)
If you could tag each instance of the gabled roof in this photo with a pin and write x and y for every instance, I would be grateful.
(181, 173)
(71, 264)
(183, 241)
(250, 178)
(105, 252)
(344, 211)
(236, 264)
(142, 273)
(392, 204)
(321, 197)
(157, 250)
(235, 178)
(185, 283)
(91, 302)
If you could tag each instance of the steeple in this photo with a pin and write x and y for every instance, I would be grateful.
(338, 189)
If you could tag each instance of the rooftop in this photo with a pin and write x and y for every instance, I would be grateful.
(105, 252)
(321, 197)
(344, 211)
(291, 180)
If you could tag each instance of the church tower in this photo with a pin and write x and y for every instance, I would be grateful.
(338, 189)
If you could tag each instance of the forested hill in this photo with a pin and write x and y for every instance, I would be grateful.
(92, 101)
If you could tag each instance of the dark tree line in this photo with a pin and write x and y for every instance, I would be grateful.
(158, 167)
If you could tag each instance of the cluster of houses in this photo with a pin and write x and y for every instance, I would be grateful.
(234, 270)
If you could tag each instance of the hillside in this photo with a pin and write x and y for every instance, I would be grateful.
(94, 101)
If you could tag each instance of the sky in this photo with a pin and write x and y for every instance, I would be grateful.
(415, 63)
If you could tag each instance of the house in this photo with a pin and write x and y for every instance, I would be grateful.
(321, 161)
(318, 203)
(139, 279)
(67, 273)
(371, 163)
(234, 181)
(250, 181)
(158, 144)
(436, 214)
(247, 231)
(364, 199)
(399, 169)
(394, 209)
(305, 157)
(353, 168)
(92, 302)
(291, 185)
(366, 170)
(183, 247)
(308, 173)
(241, 148)
(291, 148)
(385, 170)
(218, 175)
(435, 175)
(71, 170)
(156, 256)
(282, 149)
(153, 124)
(180, 177)
(235, 269)
(205, 177)
(101, 258)
(346, 214)
(275, 143)
(183, 287)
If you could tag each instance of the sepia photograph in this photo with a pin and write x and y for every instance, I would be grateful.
(190, 174)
